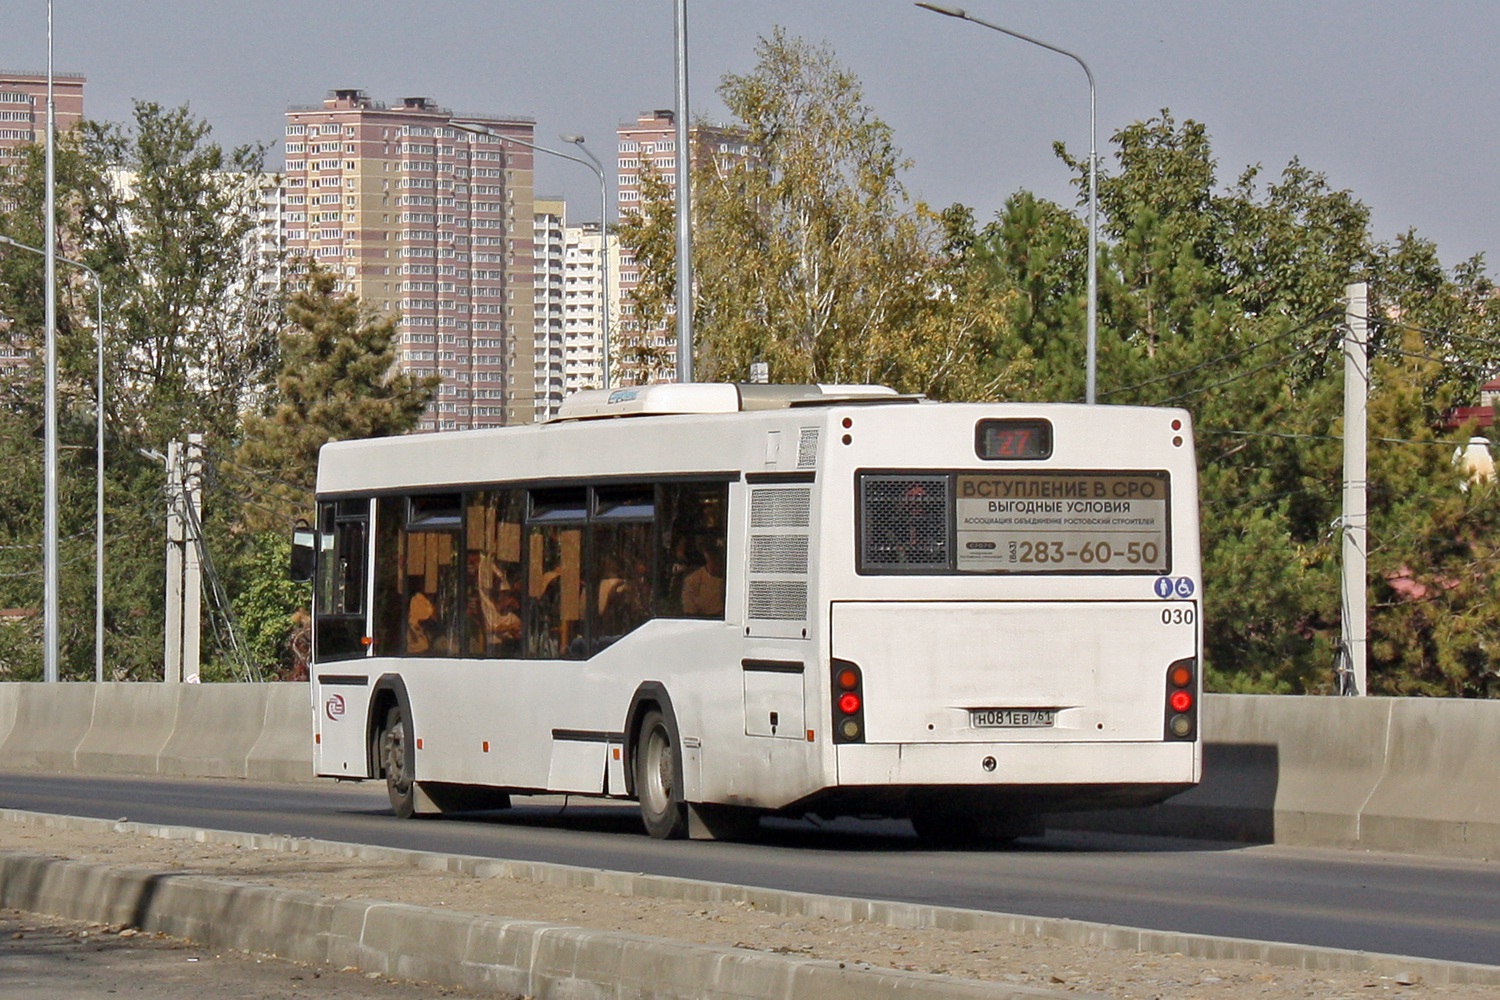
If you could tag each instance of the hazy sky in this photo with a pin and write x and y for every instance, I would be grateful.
(1394, 100)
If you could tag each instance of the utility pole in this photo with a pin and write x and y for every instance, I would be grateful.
(184, 566)
(1355, 628)
(684, 207)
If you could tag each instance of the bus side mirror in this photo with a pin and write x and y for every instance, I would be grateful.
(304, 553)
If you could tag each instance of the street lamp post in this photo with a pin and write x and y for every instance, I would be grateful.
(577, 140)
(1093, 304)
(598, 170)
(50, 631)
(98, 453)
(684, 198)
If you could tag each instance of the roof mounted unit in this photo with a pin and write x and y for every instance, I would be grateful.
(715, 397)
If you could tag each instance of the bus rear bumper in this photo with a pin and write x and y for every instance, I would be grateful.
(1096, 764)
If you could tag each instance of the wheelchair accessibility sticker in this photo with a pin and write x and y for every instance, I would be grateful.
(1173, 586)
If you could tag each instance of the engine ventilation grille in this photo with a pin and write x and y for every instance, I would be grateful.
(779, 559)
(778, 554)
(807, 448)
(778, 600)
(780, 508)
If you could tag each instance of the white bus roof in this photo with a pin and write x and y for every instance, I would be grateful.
(710, 397)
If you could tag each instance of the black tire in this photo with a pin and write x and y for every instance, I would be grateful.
(657, 763)
(398, 762)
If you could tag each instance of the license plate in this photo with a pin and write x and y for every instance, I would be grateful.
(1012, 718)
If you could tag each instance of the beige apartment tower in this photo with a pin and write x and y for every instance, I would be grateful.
(648, 145)
(23, 108)
(23, 121)
(431, 223)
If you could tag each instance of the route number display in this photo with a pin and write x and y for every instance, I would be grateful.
(1063, 522)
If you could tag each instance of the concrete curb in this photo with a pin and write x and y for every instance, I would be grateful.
(893, 914)
(525, 958)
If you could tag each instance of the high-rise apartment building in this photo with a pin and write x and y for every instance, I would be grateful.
(549, 222)
(434, 224)
(23, 107)
(569, 304)
(23, 121)
(585, 254)
(648, 145)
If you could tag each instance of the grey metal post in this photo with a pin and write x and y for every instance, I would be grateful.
(98, 484)
(176, 549)
(192, 562)
(1355, 627)
(684, 209)
(50, 629)
(1090, 363)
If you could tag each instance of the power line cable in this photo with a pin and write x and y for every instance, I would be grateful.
(1233, 355)
(1275, 363)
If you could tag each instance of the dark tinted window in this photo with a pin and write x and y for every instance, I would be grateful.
(493, 579)
(340, 579)
(690, 565)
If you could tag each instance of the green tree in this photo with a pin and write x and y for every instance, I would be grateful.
(649, 237)
(166, 217)
(337, 380)
(1227, 301)
(807, 252)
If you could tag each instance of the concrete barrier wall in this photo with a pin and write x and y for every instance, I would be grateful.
(1398, 774)
(1409, 775)
(257, 731)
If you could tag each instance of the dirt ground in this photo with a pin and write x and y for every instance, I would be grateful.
(971, 955)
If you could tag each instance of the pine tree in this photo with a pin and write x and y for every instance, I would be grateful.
(337, 380)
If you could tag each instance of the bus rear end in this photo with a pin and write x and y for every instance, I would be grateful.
(1014, 623)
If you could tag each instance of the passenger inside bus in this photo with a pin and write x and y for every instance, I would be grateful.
(420, 617)
(703, 588)
(622, 601)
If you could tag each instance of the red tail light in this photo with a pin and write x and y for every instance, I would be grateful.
(848, 703)
(1182, 700)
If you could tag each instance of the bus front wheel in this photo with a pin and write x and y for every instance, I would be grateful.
(658, 778)
(396, 761)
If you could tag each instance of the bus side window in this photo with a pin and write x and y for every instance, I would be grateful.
(492, 573)
(620, 577)
(390, 601)
(690, 564)
(430, 575)
(340, 579)
(555, 599)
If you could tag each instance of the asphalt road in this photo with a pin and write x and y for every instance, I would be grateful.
(1382, 903)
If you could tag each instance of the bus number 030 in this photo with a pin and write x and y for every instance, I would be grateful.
(1178, 616)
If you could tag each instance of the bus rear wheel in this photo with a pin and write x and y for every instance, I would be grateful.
(396, 761)
(658, 778)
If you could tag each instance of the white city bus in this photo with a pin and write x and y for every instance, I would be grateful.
(730, 601)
